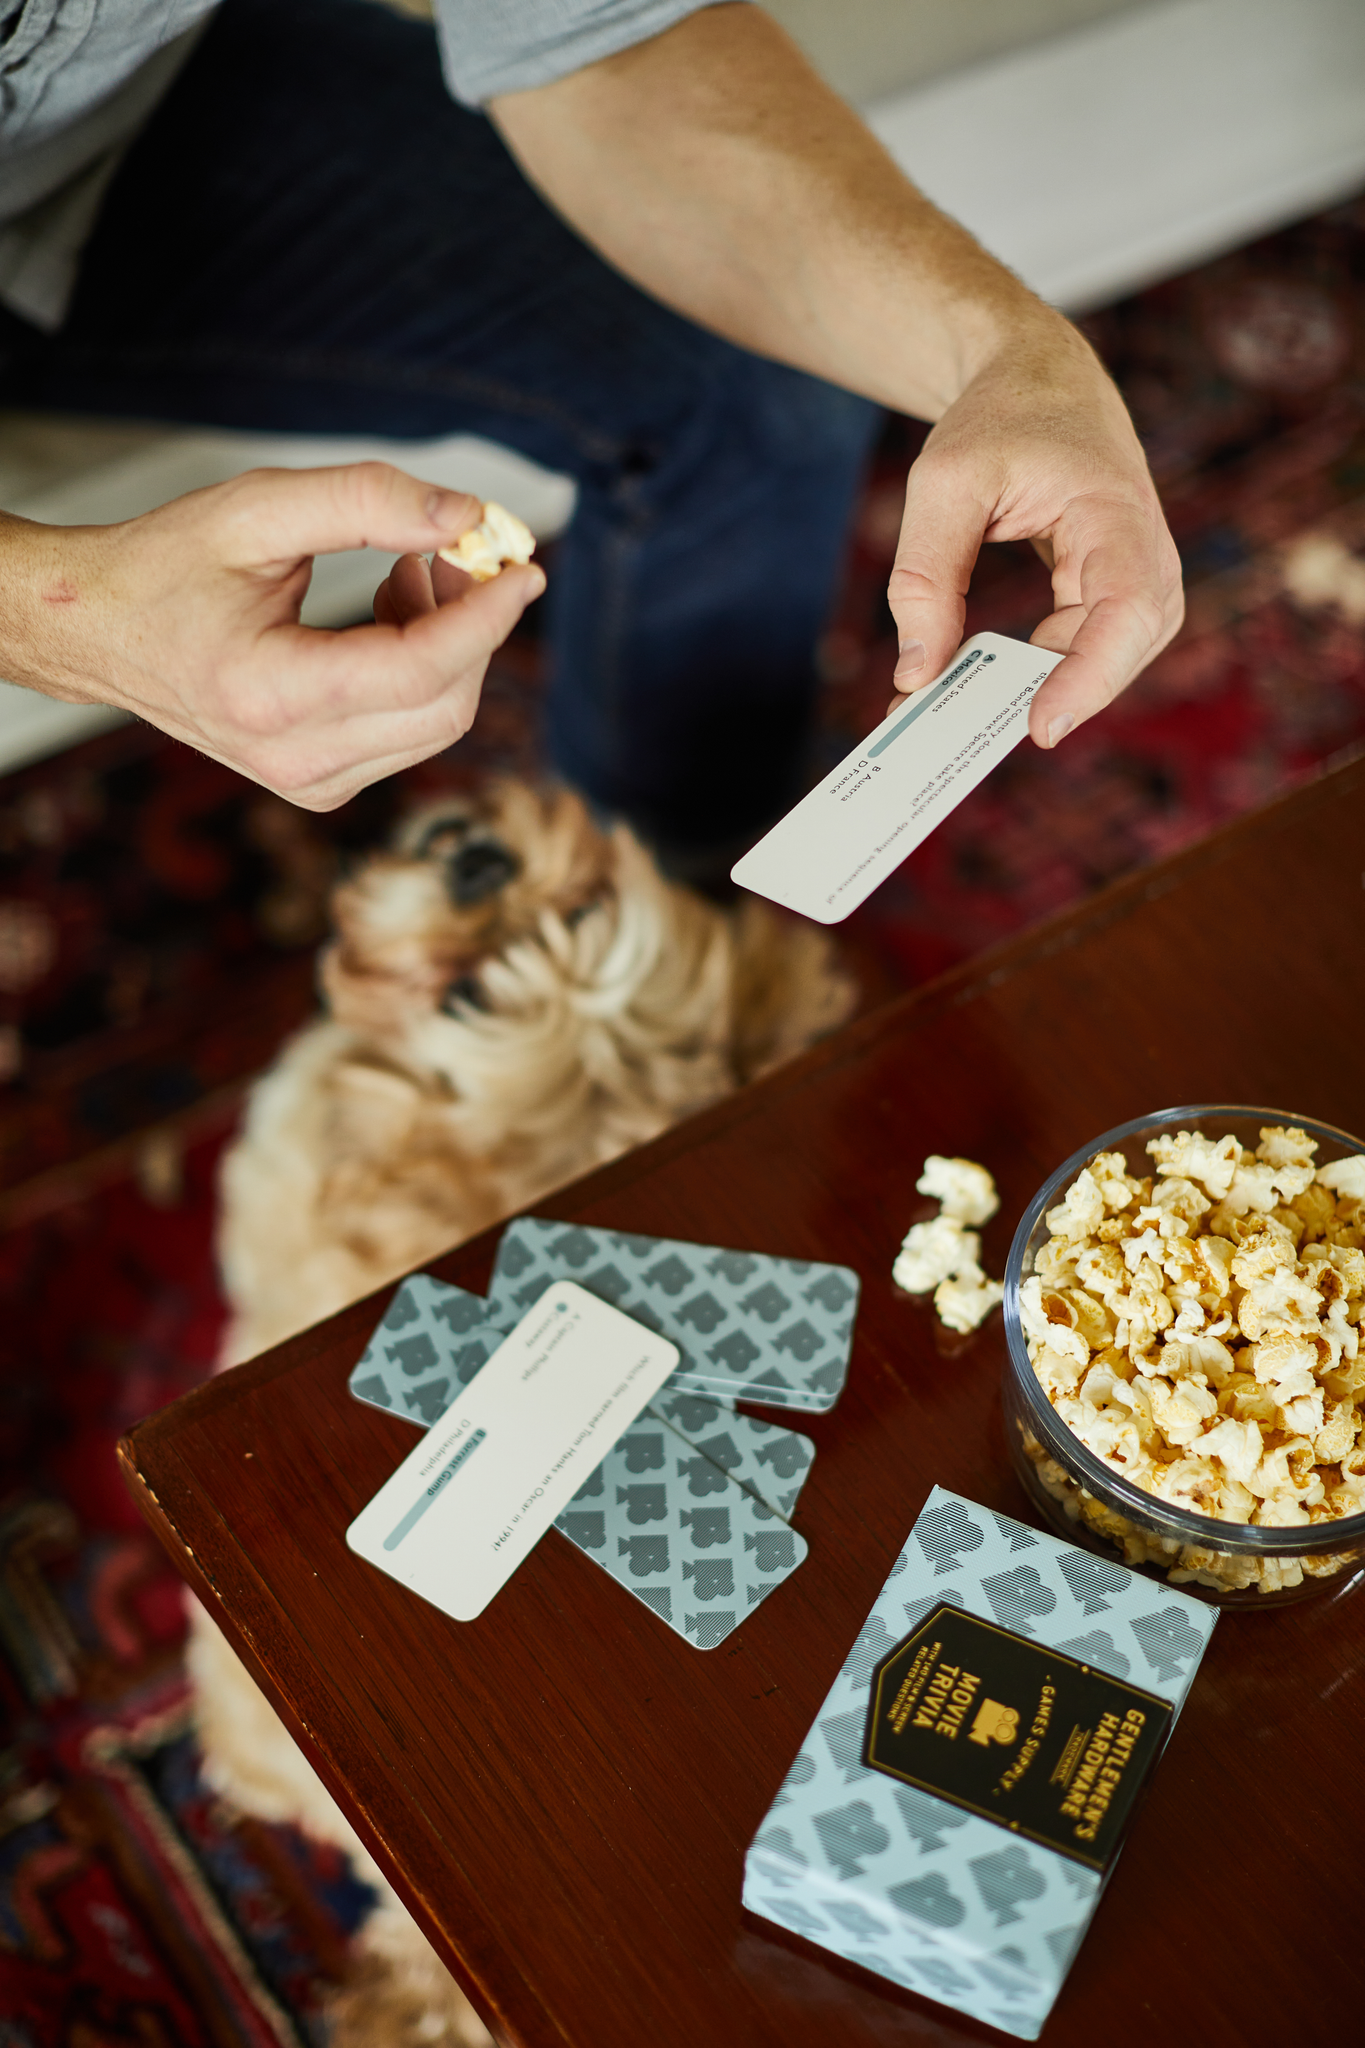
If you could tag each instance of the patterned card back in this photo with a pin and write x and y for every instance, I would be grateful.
(749, 1326)
(766, 1460)
(432, 1341)
(677, 1531)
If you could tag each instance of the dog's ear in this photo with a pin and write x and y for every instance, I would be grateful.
(788, 988)
(397, 946)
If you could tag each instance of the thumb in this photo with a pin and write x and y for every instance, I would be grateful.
(940, 539)
(272, 517)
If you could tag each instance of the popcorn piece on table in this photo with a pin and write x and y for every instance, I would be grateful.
(1200, 1333)
(500, 537)
(933, 1252)
(963, 1301)
(943, 1254)
(963, 1189)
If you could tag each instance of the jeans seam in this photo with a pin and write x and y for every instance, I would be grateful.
(352, 369)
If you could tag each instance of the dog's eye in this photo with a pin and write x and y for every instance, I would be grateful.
(479, 870)
(442, 837)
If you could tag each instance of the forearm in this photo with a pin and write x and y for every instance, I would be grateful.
(715, 168)
(41, 622)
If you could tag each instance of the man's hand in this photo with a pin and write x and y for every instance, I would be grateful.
(1040, 447)
(189, 617)
(714, 167)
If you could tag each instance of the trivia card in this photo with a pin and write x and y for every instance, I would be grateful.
(434, 1338)
(858, 824)
(476, 1494)
(748, 1326)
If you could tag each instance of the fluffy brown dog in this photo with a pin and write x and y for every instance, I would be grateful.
(515, 997)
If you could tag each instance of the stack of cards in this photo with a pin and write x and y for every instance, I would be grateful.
(689, 1509)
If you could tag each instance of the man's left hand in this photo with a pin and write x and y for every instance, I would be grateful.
(1040, 447)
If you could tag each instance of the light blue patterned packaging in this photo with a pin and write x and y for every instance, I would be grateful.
(945, 1901)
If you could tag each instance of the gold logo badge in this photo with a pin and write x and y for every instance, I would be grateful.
(994, 1723)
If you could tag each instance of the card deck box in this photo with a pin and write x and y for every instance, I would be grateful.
(968, 1868)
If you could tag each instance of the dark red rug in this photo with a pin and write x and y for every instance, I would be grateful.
(158, 919)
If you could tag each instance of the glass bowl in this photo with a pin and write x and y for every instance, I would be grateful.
(1089, 1503)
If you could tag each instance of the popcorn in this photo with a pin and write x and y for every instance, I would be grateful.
(1281, 1301)
(933, 1252)
(500, 537)
(943, 1254)
(1345, 1176)
(964, 1189)
(1179, 1201)
(1259, 1186)
(1050, 1317)
(1315, 1208)
(1215, 1256)
(1265, 1248)
(1237, 1447)
(1193, 1156)
(1350, 1263)
(965, 1299)
(1081, 1212)
(1287, 1146)
(1200, 1333)
(1180, 1412)
(1112, 1178)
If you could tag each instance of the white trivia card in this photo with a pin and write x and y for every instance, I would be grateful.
(479, 1491)
(857, 825)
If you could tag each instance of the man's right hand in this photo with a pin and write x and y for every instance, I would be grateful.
(189, 618)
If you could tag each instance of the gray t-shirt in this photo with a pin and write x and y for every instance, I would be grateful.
(78, 78)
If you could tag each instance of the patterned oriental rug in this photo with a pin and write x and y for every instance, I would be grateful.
(158, 919)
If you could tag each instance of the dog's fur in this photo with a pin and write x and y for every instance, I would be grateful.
(515, 997)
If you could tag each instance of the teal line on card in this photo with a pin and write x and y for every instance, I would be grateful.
(443, 1477)
(929, 698)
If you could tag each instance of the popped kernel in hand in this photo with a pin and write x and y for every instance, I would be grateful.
(499, 538)
(1200, 1333)
(943, 1254)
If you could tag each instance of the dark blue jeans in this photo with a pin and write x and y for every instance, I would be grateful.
(312, 235)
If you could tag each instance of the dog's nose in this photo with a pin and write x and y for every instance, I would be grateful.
(479, 870)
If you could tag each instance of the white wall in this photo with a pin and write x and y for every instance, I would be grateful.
(868, 49)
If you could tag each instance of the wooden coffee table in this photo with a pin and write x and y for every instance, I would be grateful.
(563, 1790)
